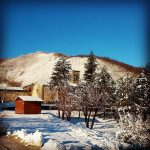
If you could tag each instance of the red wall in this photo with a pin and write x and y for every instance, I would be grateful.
(32, 107)
(24, 107)
(19, 108)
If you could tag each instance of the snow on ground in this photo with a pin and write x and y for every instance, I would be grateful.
(31, 139)
(52, 131)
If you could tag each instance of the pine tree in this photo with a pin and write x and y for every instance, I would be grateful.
(133, 102)
(59, 83)
(124, 92)
(97, 95)
(124, 96)
(60, 75)
(142, 89)
(107, 89)
(90, 68)
(142, 94)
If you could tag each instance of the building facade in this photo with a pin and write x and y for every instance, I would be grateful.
(10, 94)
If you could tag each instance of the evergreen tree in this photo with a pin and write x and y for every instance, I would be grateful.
(124, 92)
(141, 96)
(97, 95)
(60, 75)
(59, 83)
(90, 68)
(133, 102)
(107, 88)
(142, 89)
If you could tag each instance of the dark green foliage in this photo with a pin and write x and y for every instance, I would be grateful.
(124, 93)
(107, 89)
(90, 68)
(142, 90)
(59, 83)
(133, 103)
(141, 99)
(61, 73)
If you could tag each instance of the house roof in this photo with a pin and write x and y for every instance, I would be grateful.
(12, 88)
(30, 98)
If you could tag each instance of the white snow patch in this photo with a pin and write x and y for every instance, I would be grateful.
(53, 145)
(32, 138)
(57, 133)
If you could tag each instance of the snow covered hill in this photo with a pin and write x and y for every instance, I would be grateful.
(38, 66)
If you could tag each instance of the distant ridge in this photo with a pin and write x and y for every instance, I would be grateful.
(33, 67)
(128, 67)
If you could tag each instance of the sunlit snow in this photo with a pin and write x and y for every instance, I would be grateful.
(49, 130)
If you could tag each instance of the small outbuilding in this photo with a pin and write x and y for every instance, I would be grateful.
(28, 105)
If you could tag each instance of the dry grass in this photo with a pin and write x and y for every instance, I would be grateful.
(10, 143)
(2, 60)
(9, 82)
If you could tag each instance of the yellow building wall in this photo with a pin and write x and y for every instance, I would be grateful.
(37, 90)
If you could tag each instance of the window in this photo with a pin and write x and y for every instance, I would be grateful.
(75, 76)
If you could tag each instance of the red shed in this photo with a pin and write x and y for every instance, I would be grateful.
(28, 105)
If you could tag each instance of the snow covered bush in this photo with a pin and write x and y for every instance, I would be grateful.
(133, 129)
(133, 108)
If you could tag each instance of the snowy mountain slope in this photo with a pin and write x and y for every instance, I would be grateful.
(39, 66)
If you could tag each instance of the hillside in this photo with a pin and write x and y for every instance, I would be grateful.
(28, 69)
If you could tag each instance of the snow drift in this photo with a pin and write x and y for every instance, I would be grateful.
(35, 138)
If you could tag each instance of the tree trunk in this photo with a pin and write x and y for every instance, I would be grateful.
(85, 114)
(58, 112)
(88, 119)
(79, 114)
(63, 115)
(93, 120)
(113, 113)
(104, 114)
(69, 116)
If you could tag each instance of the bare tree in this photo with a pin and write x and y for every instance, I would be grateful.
(95, 96)
(66, 101)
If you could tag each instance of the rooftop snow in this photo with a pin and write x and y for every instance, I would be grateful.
(12, 88)
(30, 98)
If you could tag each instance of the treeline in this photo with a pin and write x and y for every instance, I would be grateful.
(129, 96)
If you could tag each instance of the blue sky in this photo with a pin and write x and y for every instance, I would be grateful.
(111, 30)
